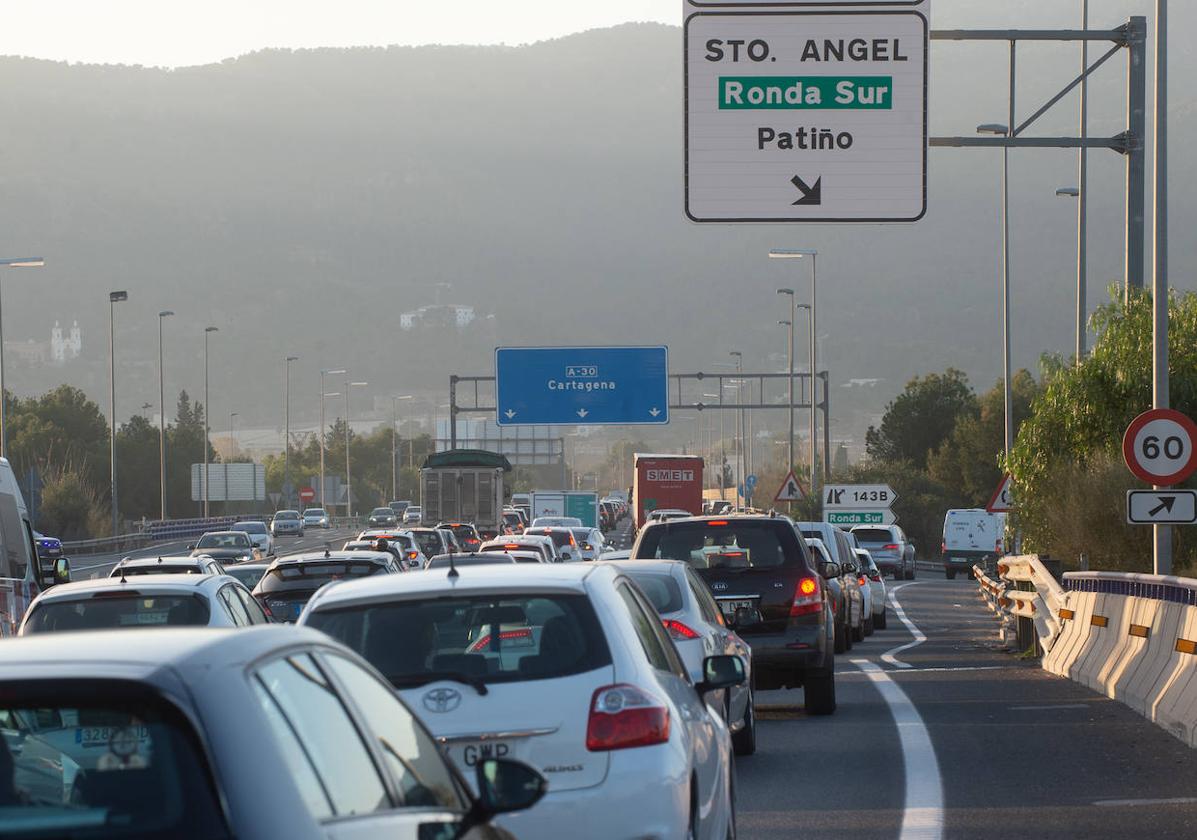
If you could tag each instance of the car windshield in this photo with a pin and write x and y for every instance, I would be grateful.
(484, 637)
(429, 542)
(287, 514)
(251, 527)
(101, 762)
(723, 544)
(118, 611)
(559, 536)
(662, 590)
(223, 541)
(159, 569)
(314, 512)
(248, 575)
(873, 535)
(488, 559)
(382, 512)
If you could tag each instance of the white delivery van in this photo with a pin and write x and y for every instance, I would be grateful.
(21, 576)
(971, 536)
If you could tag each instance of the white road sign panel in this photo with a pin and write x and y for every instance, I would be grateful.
(1166, 507)
(1002, 500)
(849, 518)
(858, 496)
(804, 115)
(1160, 446)
(791, 490)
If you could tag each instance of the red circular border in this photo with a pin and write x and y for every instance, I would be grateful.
(1128, 446)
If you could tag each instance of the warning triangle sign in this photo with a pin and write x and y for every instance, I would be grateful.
(1001, 501)
(791, 490)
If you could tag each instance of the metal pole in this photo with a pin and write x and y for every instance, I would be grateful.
(814, 428)
(226, 459)
(1136, 158)
(394, 447)
(722, 447)
(790, 448)
(3, 395)
(162, 420)
(453, 422)
(1161, 534)
(1082, 198)
(348, 478)
(112, 404)
(207, 426)
(1006, 389)
(287, 435)
(826, 427)
(323, 503)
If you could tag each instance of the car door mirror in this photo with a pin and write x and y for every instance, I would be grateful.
(505, 786)
(62, 570)
(719, 672)
(850, 568)
(831, 570)
(191, 546)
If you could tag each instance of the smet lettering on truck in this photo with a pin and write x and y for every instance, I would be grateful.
(669, 475)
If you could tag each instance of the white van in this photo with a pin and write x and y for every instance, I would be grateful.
(21, 577)
(971, 536)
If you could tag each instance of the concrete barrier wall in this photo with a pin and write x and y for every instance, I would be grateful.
(1134, 639)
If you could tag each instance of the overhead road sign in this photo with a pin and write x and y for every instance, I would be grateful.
(1159, 447)
(1002, 500)
(1161, 507)
(806, 112)
(546, 386)
(852, 518)
(791, 490)
(858, 497)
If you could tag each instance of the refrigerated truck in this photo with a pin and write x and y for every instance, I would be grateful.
(578, 503)
(666, 481)
(464, 485)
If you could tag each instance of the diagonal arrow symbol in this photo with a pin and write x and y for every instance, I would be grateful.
(1166, 504)
(811, 194)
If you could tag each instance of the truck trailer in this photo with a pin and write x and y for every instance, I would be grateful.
(663, 482)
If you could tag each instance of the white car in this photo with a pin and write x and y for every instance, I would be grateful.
(666, 514)
(871, 575)
(166, 600)
(316, 518)
(259, 534)
(414, 515)
(402, 544)
(542, 546)
(192, 564)
(693, 620)
(566, 668)
(590, 542)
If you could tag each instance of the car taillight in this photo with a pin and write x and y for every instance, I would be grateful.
(863, 581)
(875, 577)
(890, 547)
(678, 631)
(412, 555)
(943, 547)
(504, 636)
(808, 597)
(623, 716)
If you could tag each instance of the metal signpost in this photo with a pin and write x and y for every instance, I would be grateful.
(1160, 447)
(581, 386)
(803, 114)
(846, 505)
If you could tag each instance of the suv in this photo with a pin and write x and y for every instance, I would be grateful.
(769, 591)
(891, 551)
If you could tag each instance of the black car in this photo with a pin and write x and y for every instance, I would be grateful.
(382, 517)
(291, 581)
(769, 590)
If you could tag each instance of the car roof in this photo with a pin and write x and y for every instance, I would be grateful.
(668, 567)
(142, 584)
(223, 533)
(176, 560)
(519, 577)
(91, 654)
(322, 556)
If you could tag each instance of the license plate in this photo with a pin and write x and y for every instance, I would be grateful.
(470, 753)
(101, 736)
(730, 607)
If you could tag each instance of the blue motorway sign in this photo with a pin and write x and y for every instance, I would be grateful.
(581, 385)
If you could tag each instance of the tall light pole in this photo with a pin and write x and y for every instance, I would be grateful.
(1082, 210)
(287, 435)
(348, 477)
(14, 262)
(790, 323)
(812, 255)
(1079, 343)
(207, 421)
(165, 313)
(113, 299)
(741, 426)
(395, 444)
(227, 458)
(1161, 534)
(1004, 131)
(323, 373)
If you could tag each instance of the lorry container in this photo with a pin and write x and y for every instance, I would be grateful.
(579, 503)
(662, 482)
(464, 485)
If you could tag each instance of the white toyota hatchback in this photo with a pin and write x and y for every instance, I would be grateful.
(564, 667)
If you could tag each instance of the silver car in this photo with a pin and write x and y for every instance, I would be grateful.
(259, 534)
(590, 542)
(192, 564)
(316, 518)
(286, 523)
(876, 582)
(198, 733)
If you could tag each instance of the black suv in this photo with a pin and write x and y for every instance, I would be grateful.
(769, 590)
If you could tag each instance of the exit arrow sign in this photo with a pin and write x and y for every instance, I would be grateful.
(1161, 507)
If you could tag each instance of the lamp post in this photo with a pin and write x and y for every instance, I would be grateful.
(812, 255)
(227, 458)
(790, 323)
(207, 425)
(1082, 211)
(395, 444)
(348, 478)
(14, 262)
(324, 373)
(287, 434)
(1004, 131)
(165, 313)
(1079, 348)
(113, 299)
(740, 424)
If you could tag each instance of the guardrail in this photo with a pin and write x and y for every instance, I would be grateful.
(105, 545)
(168, 530)
(1131, 637)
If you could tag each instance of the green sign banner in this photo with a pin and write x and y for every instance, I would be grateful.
(856, 517)
(806, 93)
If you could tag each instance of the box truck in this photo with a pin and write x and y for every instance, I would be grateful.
(464, 485)
(672, 482)
(578, 503)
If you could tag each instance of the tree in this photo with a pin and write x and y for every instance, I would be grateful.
(921, 418)
(137, 474)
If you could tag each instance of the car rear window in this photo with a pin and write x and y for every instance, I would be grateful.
(159, 569)
(247, 576)
(560, 536)
(662, 590)
(129, 609)
(491, 638)
(223, 541)
(429, 543)
(873, 535)
(441, 561)
(728, 544)
(102, 762)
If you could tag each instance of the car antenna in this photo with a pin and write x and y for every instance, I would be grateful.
(159, 559)
(123, 574)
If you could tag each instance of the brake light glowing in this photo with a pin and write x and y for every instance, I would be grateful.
(890, 547)
(864, 581)
(876, 577)
(511, 546)
(504, 636)
(718, 523)
(412, 555)
(623, 716)
(678, 631)
(808, 598)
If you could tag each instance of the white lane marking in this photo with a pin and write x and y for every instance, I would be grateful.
(889, 656)
(1049, 708)
(1122, 803)
(922, 813)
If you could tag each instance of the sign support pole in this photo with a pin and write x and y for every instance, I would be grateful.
(1162, 534)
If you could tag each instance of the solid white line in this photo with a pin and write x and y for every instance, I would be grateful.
(1122, 803)
(889, 656)
(922, 813)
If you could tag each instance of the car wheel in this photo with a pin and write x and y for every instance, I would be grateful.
(869, 629)
(951, 573)
(820, 691)
(692, 831)
(858, 633)
(731, 802)
(744, 741)
(879, 620)
(841, 638)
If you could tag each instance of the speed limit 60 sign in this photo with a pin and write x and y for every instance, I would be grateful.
(1159, 447)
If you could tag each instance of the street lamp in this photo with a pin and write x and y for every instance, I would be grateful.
(165, 313)
(740, 424)
(395, 444)
(1081, 307)
(227, 458)
(14, 262)
(348, 478)
(287, 435)
(323, 373)
(813, 255)
(113, 299)
(207, 414)
(1004, 131)
(790, 324)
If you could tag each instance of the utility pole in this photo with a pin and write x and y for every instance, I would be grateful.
(113, 299)
(1161, 534)
(287, 488)
(1082, 211)
(166, 313)
(207, 424)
